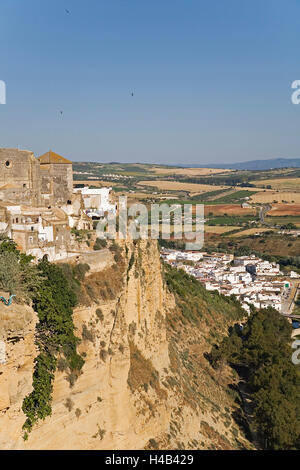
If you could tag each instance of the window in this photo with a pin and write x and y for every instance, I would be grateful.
(8, 164)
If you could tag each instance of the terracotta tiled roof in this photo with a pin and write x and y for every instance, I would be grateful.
(52, 157)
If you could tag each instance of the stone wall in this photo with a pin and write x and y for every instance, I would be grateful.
(20, 174)
(56, 183)
(24, 180)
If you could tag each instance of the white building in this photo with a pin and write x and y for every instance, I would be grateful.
(96, 201)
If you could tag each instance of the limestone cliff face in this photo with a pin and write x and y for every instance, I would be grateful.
(17, 330)
(124, 397)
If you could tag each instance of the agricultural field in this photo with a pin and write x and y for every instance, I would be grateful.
(230, 220)
(98, 183)
(188, 171)
(279, 183)
(228, 209)
(288, 197)
(222, 193)
(219, 229)
(167, 185)
(234, 197)
(250, 231)
(283, 220)
(282, 210)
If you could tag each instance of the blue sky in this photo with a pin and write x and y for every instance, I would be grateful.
(211, 79)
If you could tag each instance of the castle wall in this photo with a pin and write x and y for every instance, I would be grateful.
(56, 183)
(20, 172)
(26, 180)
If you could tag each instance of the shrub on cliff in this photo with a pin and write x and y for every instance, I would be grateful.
(54, 302)
(54, 305)
(37, 405)
(18, 275)
(100, 244)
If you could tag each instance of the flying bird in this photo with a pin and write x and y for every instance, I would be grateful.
(132, 94)
(67, 11)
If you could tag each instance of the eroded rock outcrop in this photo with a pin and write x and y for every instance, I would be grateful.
(133, 389)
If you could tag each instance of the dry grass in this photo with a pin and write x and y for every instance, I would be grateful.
(280, 197)
(104, 285)
(285, 209)
(143, 373)
(280, 183)
(219, 229)
(189, 171)
(282, 246)
(177, 186)
(229, 209)
(138, 195)
(250, 231)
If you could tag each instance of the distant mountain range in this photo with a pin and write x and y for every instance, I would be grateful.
(254, 164)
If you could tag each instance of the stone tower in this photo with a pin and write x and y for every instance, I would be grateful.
(56, 179)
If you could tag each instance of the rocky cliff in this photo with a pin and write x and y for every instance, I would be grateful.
(145, 382)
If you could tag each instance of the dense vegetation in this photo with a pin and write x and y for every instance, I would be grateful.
(233, 198)
(195, 301)
(54, 302)
(231, 220)
(18, 276)
(263, 351)
(52, 291)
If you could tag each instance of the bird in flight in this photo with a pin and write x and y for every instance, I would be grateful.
(61, 112)
(67, 11)
(132, 94)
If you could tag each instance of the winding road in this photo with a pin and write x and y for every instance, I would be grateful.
(262, 212)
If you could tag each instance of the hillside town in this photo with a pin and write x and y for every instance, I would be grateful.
(252, 280)
(40, 210)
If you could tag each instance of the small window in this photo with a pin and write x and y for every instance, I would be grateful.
(7, 163)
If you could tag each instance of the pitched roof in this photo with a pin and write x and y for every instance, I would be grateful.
(52, 157)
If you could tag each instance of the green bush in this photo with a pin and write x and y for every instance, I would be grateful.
(37, 405)
(100, 244)
(99, 314)
(18, 275)
(263, 349)
(54, 302)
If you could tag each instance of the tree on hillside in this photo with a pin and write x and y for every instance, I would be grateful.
(264, 349)
(18, 275)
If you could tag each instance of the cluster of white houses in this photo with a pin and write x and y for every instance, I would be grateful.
(38, 206)
(252, 280)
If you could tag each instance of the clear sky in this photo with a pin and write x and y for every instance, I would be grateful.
(211, 79)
